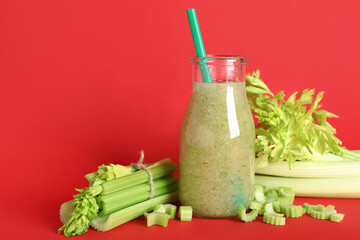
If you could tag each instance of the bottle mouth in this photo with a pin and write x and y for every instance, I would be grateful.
(219, 59)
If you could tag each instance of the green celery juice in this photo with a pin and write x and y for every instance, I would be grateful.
(217, 150)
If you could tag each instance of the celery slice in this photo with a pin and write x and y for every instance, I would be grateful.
(268, 208)
(139, 177)
(157, 218)
(309, 207)
(247, 217)
(185, 213)
(329, 207)
(159, 209)
(273, 219)
(291, 211)
(286, 201)
(271, 194)
(256, 205)
(259, 194)
(275, 204)
(170, 209)
(303, 211)
(110, 207)
(117, 218)
(337, 217)
(322, 214)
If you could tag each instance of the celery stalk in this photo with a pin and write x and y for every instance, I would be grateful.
(111, 207)
(312, 169)
(138, 177)
(129, 192)
(117, 218)
(315, 187)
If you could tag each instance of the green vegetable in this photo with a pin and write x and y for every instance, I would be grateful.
(138, 177)
(315, 187)
(117, 218)
(269, 208)
(247, 217)
(273, 219)
(259, 193)
(292, 129)
(159, 209)
(337, 217)
(109, 207)
(294, 139)
(170, 210)
(112, 188)
(322, 214)
(309, 207)
(291, 211)
(185, 213)
(157, 218)
(255, 205)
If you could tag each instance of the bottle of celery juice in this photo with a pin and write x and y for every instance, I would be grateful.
(216, 173)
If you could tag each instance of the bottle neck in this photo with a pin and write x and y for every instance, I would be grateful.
(222, 69)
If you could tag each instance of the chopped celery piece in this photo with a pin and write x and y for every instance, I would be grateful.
(110, 207)
(157, 218)
(170, 209)
(185, 213)
(287, 192)
(259, 194)
(320, 207)
(337, 217)
(322, 214)
(159, 208)
(247, 217)
(291, 211)
(329, 207)
(303, 210)
(308, 207)
(268, 208)
(117, 218)
(138, 177)
(286, 201)
(255, 205)
(271, 194)
(275, 204)
(273, 219)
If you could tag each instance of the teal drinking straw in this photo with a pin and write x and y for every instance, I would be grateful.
(199, 45)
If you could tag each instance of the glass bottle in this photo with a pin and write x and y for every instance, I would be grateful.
(217, 138)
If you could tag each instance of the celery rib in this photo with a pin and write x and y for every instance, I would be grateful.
(117, 218)
(129, 192)
(319, 187)
(138, 178)
(348, 168)
(107, 208)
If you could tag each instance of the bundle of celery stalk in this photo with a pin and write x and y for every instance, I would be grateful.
(118, 194)
(296, 146)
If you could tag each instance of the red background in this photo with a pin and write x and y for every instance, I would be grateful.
(85, 82)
